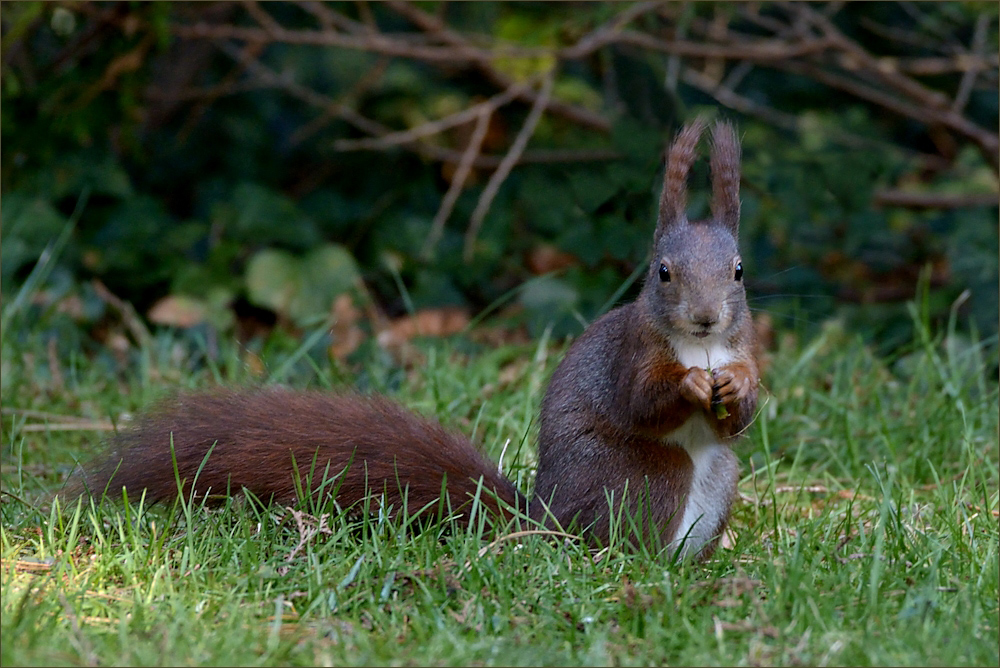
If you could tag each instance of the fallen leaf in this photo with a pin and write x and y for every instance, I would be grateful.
(346, 332)
(546, 258)
(436, 322)
(178, 311)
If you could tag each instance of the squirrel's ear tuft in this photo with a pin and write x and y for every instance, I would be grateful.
(680, 157)
(725, 163)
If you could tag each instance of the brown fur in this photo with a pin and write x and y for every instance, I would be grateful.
(599, 437)
(611, 419)
(725, 165)
(254, 436)
(680, 157)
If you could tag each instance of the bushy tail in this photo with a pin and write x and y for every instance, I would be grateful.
(263, 439)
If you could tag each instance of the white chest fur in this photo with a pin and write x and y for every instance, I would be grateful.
(708, 498)
(704, 354)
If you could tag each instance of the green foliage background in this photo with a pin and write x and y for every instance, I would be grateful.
(196, 175)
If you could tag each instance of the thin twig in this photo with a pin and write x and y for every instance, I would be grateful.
(969, 78)
(541, 156)
(308, 527)
(762, 51)
(987, 141)
(265, 20)
(673, 60)
(858, 58)
(396, 46)
(608, 32)
(457, 182)
(742, 104)
(357, 91)
(269, 77)
(779, 119)
(203, 92)
(432, 127)
(935, 66)
(304, 93)
(127, 312)
(507, 164)
(248, 54)
(436, 28)
(935, 200)
(900, 35)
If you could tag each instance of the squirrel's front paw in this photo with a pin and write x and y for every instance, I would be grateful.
(732, 383)
(696, 387)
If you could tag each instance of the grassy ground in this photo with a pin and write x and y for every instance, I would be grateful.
(867, 532)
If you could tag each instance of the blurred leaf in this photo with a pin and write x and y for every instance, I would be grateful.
(639, 142)
(132, 241)
(523, 29)
(273, 280)
(29, 224)
(178, 311)
(185, 311)
(592, 188)
(550, 301)
(300, 288)
(256, 214)
(71, 175)
(576, 91)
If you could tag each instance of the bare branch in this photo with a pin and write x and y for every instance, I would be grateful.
(792, 123)
(900, 35)
(762, 51)
(436, 28)
(458, 181)
(674, 61)
(931, 66)
(988, 142)
(969, 78)
(910, 200)
(608, 32)
(742, 104)
(857, 58)
(369, 79)
(507, 164)
(248, 53)
(265, 20)
(329, 19)
(431, 127)
(304, 93)
(398, 46)
(203, 92)
(805, 42)
(269, 77)
(540, 156)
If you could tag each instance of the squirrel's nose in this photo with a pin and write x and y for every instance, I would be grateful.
(704, 318)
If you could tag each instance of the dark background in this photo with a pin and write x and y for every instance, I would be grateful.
(231, 167)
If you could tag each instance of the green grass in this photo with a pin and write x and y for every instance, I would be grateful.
(867, 532)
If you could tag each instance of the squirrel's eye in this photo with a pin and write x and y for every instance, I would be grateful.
(664, 274)
(739, 271)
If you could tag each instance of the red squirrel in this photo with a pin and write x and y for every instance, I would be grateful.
(643, 408)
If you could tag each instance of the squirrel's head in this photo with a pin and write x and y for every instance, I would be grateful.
(694, 288)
